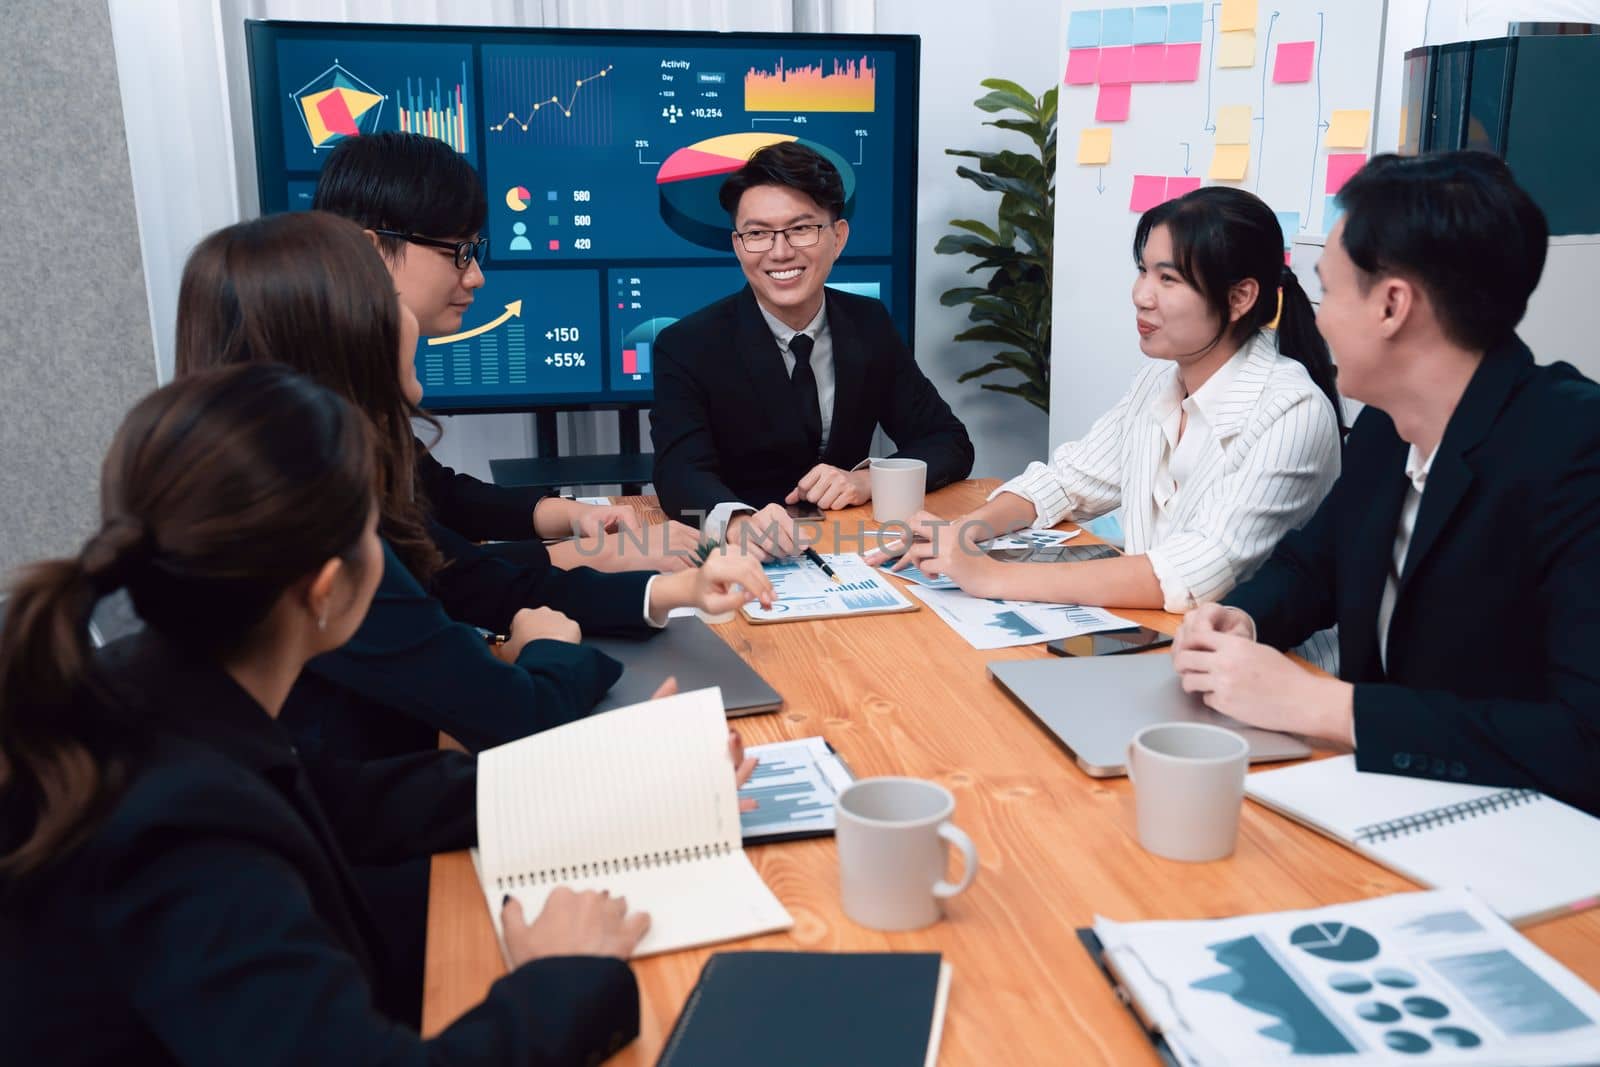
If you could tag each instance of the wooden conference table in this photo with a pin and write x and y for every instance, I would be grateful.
(904, 694)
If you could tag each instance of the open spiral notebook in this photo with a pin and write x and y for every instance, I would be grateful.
(639, 801)
(1528, 856)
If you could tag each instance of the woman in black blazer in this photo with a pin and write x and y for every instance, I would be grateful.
(307, 289)
(174, 879)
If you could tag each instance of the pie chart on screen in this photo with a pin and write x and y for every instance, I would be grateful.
(517, 198)
(691, 177)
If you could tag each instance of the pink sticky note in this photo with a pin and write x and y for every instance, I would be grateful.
(1294, 61)
(1286, 259)
(1083, 66)
(1182, 63)
(1148, 191)
(1341, 166)
(1112, 106)
(1177, 186)
(1149, 62)
(1116, 66)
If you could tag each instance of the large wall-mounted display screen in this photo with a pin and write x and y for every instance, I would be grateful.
(601, 154)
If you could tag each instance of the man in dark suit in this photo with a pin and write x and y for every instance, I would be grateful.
(771, 396)
(1459, 551)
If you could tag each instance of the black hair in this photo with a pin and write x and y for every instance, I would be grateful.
(220, 492)
(402, 181)
(790, 164)
(1456, 225)
(1221, 236)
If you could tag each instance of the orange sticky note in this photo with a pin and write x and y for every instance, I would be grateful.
(1348, 129)
(1233, 124)
(1237, 49)
(1094, 147)
(1237, 15)
(1230, 162)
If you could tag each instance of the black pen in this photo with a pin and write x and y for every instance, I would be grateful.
(811, 554)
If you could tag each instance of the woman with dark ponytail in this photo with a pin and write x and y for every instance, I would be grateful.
(172, 889)
(1228, 440)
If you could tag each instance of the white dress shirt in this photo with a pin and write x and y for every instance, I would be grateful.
(1417, 470)
(716, 523)
(1260, 451)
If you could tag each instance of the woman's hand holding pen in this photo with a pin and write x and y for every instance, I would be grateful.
(537, 624)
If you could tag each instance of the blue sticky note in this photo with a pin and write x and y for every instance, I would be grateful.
(1184, 25)
(1084, 30)
(1116, 27)
(1289, 222)
(1150, 25)
(1332, 211)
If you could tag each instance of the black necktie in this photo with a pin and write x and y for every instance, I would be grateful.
(805, 389)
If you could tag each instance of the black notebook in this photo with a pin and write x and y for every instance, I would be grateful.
(800, 1009)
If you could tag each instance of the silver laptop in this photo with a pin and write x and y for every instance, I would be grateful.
(689, 650)
(1095, 705)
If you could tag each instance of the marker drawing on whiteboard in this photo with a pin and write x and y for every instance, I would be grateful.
(1211, 66)
(1261, 149)
(1322, 124)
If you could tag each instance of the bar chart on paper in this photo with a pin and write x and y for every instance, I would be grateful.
(805, 592)
(794, 786)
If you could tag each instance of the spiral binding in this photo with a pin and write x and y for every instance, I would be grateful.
(1450, 813)
(600, 868)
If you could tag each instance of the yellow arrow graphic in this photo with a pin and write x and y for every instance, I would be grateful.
(513, 310)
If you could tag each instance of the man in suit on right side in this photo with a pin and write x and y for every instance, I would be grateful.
(1459, 551)
(770, 397)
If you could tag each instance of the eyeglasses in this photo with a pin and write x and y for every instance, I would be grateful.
(465, 251)
(802, 236)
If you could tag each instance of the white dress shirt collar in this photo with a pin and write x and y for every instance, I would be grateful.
(783, 333)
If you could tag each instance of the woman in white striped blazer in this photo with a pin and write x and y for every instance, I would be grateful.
(1226, 441)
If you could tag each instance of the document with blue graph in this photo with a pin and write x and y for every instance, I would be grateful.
(988, 624)
(794, 787)
(805, 592)
(1427, 978)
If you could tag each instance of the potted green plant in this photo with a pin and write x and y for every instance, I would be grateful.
(1012, 309)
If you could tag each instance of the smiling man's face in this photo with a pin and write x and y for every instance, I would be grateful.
(788, 281)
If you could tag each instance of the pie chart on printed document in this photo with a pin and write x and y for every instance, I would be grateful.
(1335, 941)
(690, 178)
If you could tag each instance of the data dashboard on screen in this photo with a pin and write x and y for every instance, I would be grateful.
(601, 153)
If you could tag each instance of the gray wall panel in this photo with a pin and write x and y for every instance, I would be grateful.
(76, 348)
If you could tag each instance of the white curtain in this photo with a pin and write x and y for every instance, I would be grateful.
(186, 101)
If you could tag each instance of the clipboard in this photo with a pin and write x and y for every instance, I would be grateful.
(1091, 945)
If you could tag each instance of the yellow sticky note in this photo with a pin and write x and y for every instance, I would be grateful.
(1237, 49)
(1230, 162)
(1348, 129)
(1233, 124)
(1094, 148)
(1238, 15)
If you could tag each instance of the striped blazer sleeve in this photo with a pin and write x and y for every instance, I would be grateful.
(1084, 477)
(1277, 470)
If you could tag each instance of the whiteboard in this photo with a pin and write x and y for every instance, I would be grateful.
(1171, 132)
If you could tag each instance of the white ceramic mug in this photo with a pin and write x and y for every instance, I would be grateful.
(891, 835)
(898, 488)
(1188, 783)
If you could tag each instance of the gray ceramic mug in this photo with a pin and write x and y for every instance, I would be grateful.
(892, 834)
(1188, 783)
(898, 488)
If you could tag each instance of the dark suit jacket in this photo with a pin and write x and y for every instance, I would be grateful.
(479, 587)
(476, 510)
(1493, 671)
(411, 671)
(725, 425)
(212, 917)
